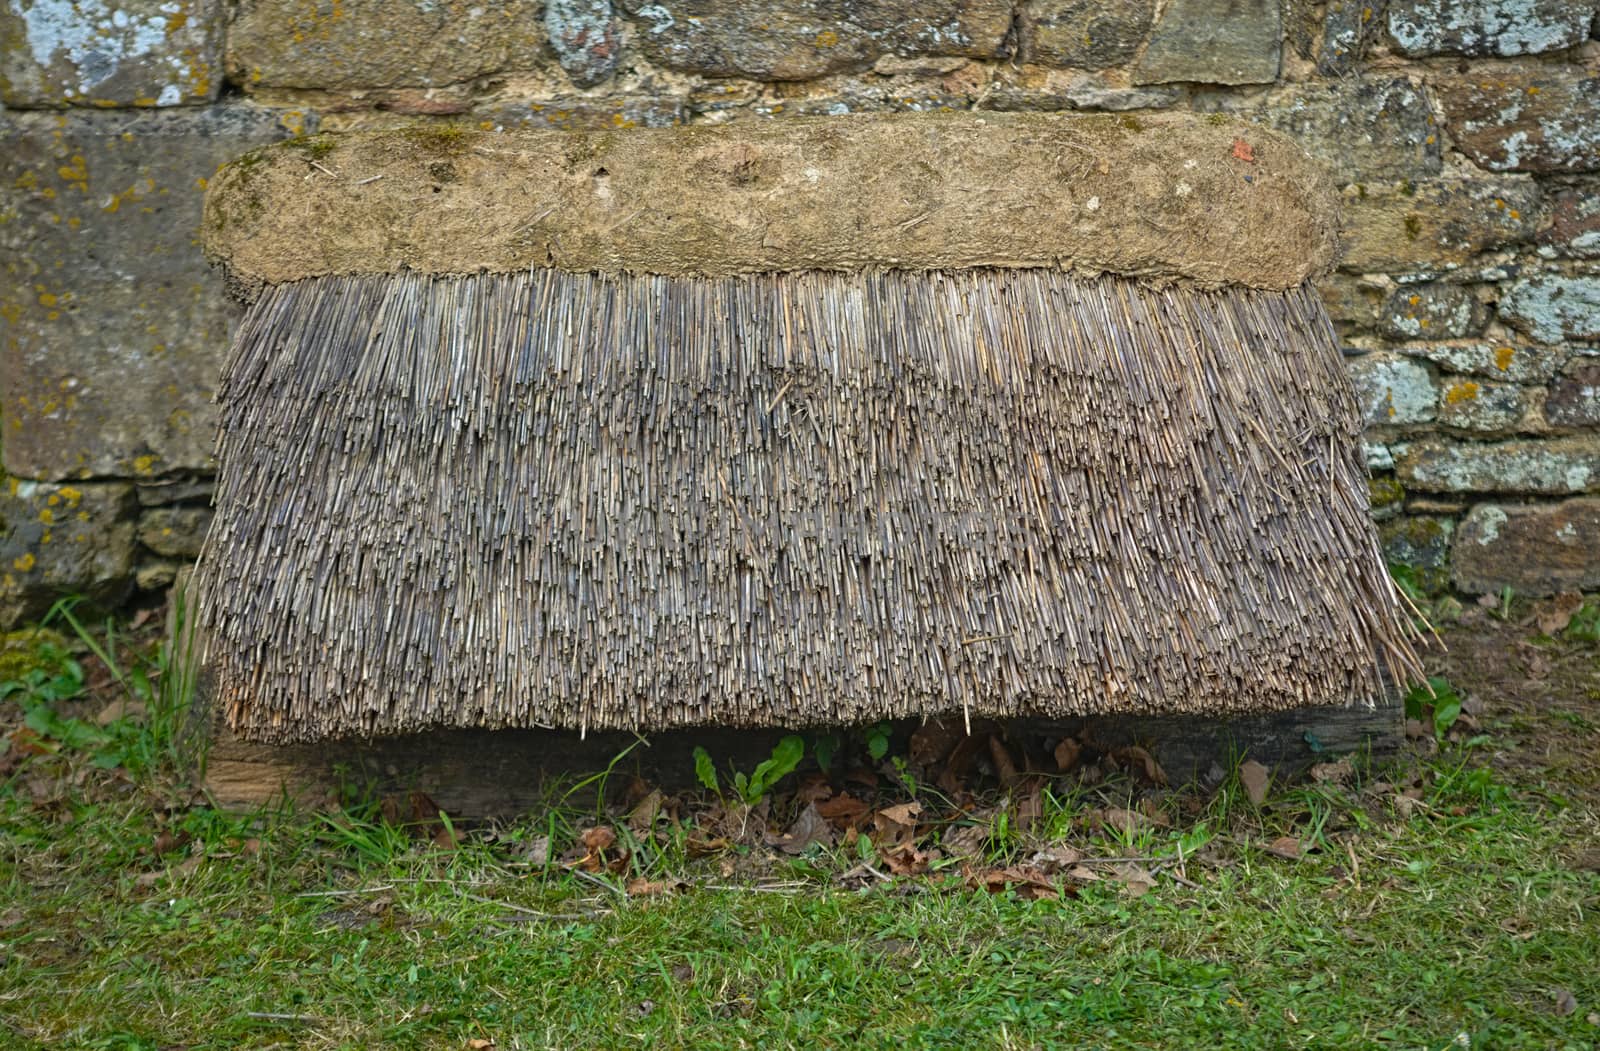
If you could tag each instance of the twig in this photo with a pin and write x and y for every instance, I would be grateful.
(370, 178)
(349, 891)
(279, 1016)
(327, 171)
(597, 881)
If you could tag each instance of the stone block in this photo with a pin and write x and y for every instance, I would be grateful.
(1422, 542)
(769, 40)
(1386, 496)
(60, 540)
(1539, 549)
(1362, 128)
(1574, 398)
(1434, 223)
(1350, 28)
(1524, 120)
(1501, 362)
(583, 113)
(355, 44)
(1482, 407)
(174, 532)
(1431, 311)
(1393, 390)
(1351, 302)
(1501, 28)
(1557, 467)
(1214, 42)
(1553, 308)
(1084, 34)
(586, 38)
(57, 53)
(114, 323)
(1574, 231)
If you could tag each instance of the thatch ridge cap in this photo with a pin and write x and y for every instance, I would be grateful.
(1167, 198)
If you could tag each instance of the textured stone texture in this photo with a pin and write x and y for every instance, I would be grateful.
(1539, 550)
(1550, 468)
(1552, 308)
(114, 323)
(1502, 362)
(1525, 120)
(356, 44)
(1485, 408)
(176, 532)
(109, 52)
(57, 540)
(1166, 195)
(1422, 542)
(1084, 34)
(1574, 230)
(1574, 398)
(582, 113)
(585, 36)
(1487, 27)
(1350, 29)
(1361, 128)
(772, 40)
(1434, 222)
(1352, 302)
(1213, 42)
(1393, 390)
(1431, 311)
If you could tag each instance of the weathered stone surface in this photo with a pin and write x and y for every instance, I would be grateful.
(1525, 120)
(1087, 92)
(586, 37)
(1393, 390)
(1435, 222)
(381, 43)
(1486, 408)
(1432, 311)
(1552, 308)
(176, 532)
(1386, 496)
(1487, 27)
(1361, 128)
(1421, 542)
(63, 539)
(1214, 42)
(1352, 302)
(1504, 362)
(769, 40)
(1084, 34)
(175, 489)
(1351, 27)
(582, 113)
(1541, 549)
(1550, 468)
(1574, 398)
(109, 52)
(114, 324)
(1574, 230)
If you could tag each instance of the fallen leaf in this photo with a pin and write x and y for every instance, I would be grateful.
(1553, 615)
(446, 838)
(124, 709)
(808, 828)
(1026, 881)
(478, 1043)
(1255, 778)
(1029, 808)
(1535, 660)
(1285, 847)
(843, 810)
(1067, 754)
(1136, 881)
(598, 838)
(897, 825)
(905, 860)
(642, 818)
(932, 742)
(1004, 767)
(1125, 821)
(1056, 857)
(644, 888)
(1140, 761)
(1489, 601)
(537, 851)
(1244, 151)
(968, 841)
(1083, 874)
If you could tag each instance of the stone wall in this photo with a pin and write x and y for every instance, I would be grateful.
(1466, 135)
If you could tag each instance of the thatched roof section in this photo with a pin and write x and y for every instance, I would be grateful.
(1211, 202)
(579, 500)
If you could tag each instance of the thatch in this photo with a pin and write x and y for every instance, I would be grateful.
(1212, 202)
(603, 501)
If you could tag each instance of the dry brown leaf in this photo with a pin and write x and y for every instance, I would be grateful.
(1004, 767)
(598, 838)
(905, 860)
(121, 708)
(1056, 857)
(1337, 773)
(1136, 880)
(1067, 754)
(932, 742)
(1123, 820)
(1083, 874)
(843, 810)
(1029, 808)
(1285, 847)
(808, 828)
(1140, 761)
(642, 818)
(1553, 615)
(1244, 151)
(478, 1043)
(1026, 881)
(1255, 778)
(968, 841)
(538, 851)
(644, 888)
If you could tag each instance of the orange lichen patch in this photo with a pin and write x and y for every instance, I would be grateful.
(1461, 392)
(23, 562)
(1503, 356)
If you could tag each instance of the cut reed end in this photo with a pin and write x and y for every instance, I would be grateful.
(602, 501)
(1208, 201)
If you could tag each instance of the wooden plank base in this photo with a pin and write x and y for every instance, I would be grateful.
(481, 774)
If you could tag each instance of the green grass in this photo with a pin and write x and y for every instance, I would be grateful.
(136, 916)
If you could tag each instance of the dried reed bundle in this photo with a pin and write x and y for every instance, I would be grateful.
(609, 501)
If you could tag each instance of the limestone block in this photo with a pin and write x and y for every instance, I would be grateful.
(1556, 467)
(1434, 222)
(1431, 311)
(1487, 27)
(1214, 42)
(60, 540)
(1525, 120)
(1540, 549)
(1554, 308)
(1393, 390)
(1084, 34)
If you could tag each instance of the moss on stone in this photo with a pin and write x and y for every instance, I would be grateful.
(29, 649)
